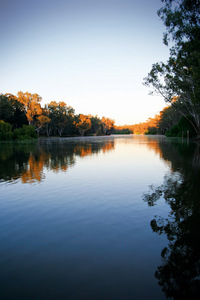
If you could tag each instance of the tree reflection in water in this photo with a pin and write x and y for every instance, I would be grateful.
(28, 161)
(179, 274)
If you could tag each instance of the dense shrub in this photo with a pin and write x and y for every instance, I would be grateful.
(25, 133)
(5, 131)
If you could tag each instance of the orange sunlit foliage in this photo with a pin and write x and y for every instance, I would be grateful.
(144, 127)
(53, 104)
(11, 96)
(31, 104)
(107, 124)
(43, 119)
(83, 123)
(62, 104)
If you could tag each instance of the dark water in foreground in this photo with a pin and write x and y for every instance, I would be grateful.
(100, 218)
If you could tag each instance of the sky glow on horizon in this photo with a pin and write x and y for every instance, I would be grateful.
(93, 55)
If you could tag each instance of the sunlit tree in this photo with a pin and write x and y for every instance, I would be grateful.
(107, 125)
(43, 123)
(83, 123)
(32, 105)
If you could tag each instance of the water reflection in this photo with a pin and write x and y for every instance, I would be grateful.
(109, 223)
(14, 160)
(179, 274)
(28, 161)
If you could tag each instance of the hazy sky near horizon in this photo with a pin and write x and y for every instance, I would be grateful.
(91, 54)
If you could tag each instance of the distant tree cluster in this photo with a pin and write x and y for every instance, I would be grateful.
(148, 127)
(169, 122)
(56, 118)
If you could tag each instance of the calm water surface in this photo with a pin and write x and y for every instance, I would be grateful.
(100, 218)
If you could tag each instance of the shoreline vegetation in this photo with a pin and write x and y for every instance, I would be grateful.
(23, 118)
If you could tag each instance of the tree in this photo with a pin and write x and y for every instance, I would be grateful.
(43, 123)
(169, 116)
(83, 123)
(180, 76)
(65, 117)
(32, 105)
(95, 125)
(12, 111)
(61, 116)
(107, 125)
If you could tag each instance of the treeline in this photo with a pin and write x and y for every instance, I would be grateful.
(169, 122)
(22, 117)
(123, 129)
(148, 127)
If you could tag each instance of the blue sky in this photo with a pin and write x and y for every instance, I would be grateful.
(91, 54)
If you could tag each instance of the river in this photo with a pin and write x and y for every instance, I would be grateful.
(115, 217)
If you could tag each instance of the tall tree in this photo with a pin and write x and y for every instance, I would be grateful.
(180, 76)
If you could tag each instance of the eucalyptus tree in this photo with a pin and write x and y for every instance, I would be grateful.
(32, 105)
(61, 115)
(43, 124)
(178, 80)
(83, 123)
